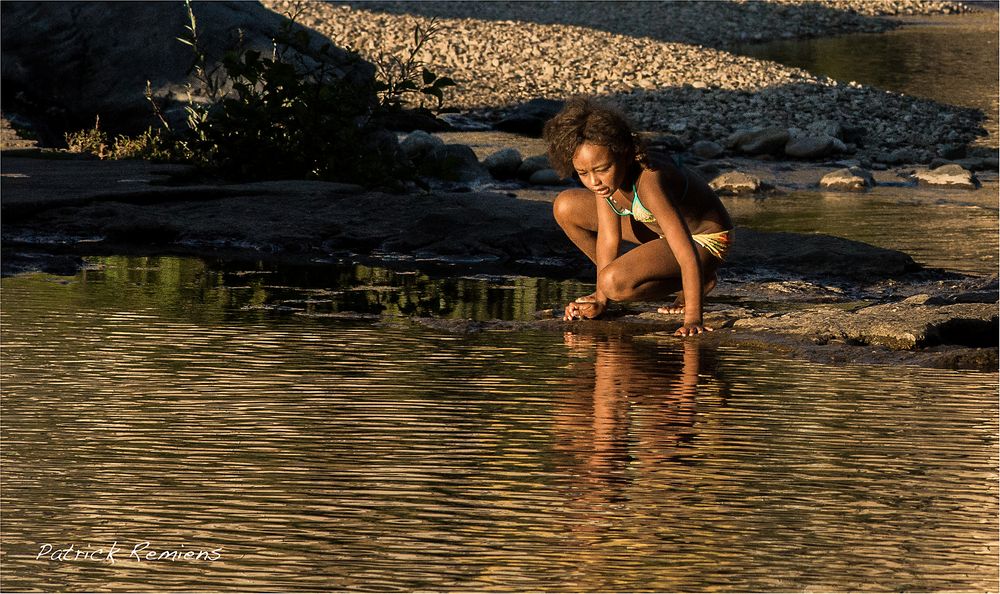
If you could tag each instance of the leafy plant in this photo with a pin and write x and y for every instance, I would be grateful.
(286, 115)
(93, 141)
(397, 77)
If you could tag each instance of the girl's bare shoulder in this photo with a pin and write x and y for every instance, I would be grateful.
(660, 172)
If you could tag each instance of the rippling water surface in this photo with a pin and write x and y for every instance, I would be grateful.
(156, 400)
(956, 230)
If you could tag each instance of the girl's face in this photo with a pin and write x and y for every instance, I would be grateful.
(598, 169)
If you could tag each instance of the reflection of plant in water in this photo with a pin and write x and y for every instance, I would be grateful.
(332, 289)
(379, 290)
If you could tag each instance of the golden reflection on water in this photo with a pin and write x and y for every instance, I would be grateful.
(333, 455)
(957, 230)
(949, 59)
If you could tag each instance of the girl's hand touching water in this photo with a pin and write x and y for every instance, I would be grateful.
(588, 307)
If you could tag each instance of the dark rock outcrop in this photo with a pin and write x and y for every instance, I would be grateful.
(65, 63)
(815, 256)
(529, 119)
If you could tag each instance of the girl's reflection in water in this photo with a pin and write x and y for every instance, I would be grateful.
(633, 409)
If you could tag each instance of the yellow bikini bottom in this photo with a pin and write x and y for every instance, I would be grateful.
(717, 244)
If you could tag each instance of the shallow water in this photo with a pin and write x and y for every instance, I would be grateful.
(951, 60)
(160, 401)
(956, 230)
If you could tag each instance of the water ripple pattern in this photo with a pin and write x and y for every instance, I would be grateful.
(327, 454)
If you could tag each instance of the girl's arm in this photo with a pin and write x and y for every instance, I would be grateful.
(678, 237)
(609, 236)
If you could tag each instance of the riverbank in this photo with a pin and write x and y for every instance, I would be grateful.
(812, 295)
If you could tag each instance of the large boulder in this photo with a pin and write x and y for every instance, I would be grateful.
(456, 162)
(529, 119)
(504, 163)
(433, 158)
(736, 182)
(849, 179)
(813, 147)
(952, 175)
(546, 177)
(68, 62)
(706, 149)
(419, 145)
(759, 141)
(532, 164)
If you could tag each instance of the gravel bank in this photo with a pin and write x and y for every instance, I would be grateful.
(712, 23)
(651, 58)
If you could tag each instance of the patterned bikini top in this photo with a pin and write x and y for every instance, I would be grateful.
(640, 212)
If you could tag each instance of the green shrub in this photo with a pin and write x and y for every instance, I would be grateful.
(93, 141)
(155, 144)
(400, 77)
(283, 116)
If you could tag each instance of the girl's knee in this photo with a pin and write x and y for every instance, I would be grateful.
(566, 206)
(614, 284)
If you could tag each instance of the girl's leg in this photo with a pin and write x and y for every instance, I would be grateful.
(576, 212)
(677, 307)
(651, 272)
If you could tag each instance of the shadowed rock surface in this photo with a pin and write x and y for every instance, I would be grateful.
(67, 62)
(900, 326)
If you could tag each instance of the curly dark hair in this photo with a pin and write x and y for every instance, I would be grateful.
(582, 120)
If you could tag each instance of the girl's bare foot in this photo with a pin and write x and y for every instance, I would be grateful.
(677, 307)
